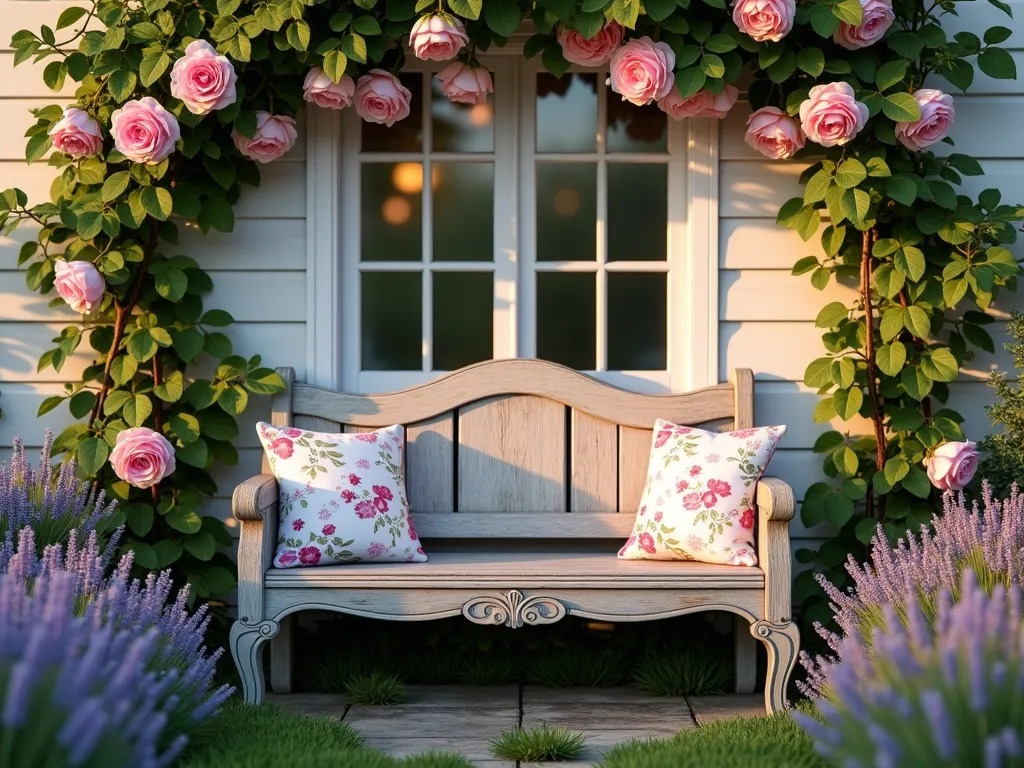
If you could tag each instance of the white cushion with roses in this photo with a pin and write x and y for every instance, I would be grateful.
(342, 497)
(698, 502)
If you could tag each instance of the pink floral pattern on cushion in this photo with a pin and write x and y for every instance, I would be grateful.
(698, 502)
(342, 497)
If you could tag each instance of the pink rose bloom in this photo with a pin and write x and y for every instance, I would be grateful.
(691, 501)
(627, 545)
(593, 52)
(663, 437)
(720, 487)
(287, 558)
(678, 108)
(721, 103)
(764, 20)
(709, 499)
(936, 119)
(366, 437)
(365, 510)
(641, 71)
(831, 115)
(203, 79)
(437, 37)
(682, 485)
(348, 496)
(76, 134)
(79, 283)
(144, 131)
(376, 549)
(297, 525)
(329, 530)
(747, 519)
(878, 17)
(381, 98)
(354, 479)
(309, 555)
(741, 433)
(275, 135)
(412, 529)
(646, 543)
(319, 89)
(695, 470)
(291, 432)
(142, 457)
(952, 465)
(774, 134)
(380, 503)
(383, 491)
(464, 84)
(742, 556)
(657, 516)
(282, 448)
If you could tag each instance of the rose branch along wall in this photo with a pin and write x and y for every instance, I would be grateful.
(259, 271)
(765, 316)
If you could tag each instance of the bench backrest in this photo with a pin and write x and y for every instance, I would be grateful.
(520, 449)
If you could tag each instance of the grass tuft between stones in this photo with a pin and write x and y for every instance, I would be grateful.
(534, 745)
(686, 672)
(376, 689)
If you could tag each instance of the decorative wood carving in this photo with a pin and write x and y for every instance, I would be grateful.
(514, 609)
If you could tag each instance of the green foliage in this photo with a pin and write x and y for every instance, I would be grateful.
(1003, 461)
(543, 743)
(376, 689)
(684, 671)
(740, 742)
(568, 668)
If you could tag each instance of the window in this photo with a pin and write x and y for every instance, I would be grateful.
(555, 222)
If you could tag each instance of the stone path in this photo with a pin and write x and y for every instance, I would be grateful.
(465, 719)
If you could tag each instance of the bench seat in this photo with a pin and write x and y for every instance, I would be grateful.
(536, 570)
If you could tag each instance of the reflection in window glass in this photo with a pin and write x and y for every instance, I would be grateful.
(635, 129)
(637, 212)
(566, 318)
(566, 211)
(463, 319)
(391, 321)
(391, 212)
(637, 321)
(463, 220)
(460, 127)
(405, 135)
(567, 112)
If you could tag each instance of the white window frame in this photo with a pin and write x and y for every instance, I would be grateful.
(333, 247)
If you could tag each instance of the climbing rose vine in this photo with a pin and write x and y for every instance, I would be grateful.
(179, 102)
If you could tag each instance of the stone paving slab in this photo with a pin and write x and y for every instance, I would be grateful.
(466, 719)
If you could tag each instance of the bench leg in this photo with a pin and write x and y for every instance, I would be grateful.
(745, 653)
(782, 642)
(247, 641)
(281, 658)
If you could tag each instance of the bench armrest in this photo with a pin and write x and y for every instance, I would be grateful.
(775, 508)
(254, 505)
(254, 498)
(775, 499)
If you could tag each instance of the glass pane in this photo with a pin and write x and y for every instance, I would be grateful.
(637, 321)
(566, 318)
(635, 129)
(463, 216)
(461, 127)
(567, 112)
(391, 319)
(463, 318)
(566, 212)
(392, 212)
(637, 212)
(405, 135)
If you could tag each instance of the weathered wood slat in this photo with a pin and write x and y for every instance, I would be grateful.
(595, 447)
(495, 378)
(634, 456)
(511, 456)
(430, 465)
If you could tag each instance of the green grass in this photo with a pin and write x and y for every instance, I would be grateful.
(741, 742)
(683, 672)
(568, 668)
(534, 745)
(376, 689)
(487, 670)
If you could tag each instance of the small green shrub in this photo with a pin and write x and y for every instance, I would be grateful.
(1003, 462)
(266, 736)
(334, 674)
(376, 689)
(683, 672)
(741, 742)
(569, 668)
(488, 670)
(432, 667)
(534, 745)
(435, 759)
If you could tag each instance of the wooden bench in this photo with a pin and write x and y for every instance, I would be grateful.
(524, 478)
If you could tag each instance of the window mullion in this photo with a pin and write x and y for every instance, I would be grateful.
(427, 201)
(601, 286)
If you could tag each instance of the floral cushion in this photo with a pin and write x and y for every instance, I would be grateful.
(342, 497)
(698, 503)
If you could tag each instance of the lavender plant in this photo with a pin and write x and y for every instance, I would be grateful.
(96, 621)
(936, 691)
(50, 499)
(986, 540)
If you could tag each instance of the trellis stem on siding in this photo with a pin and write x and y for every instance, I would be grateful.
(876, 406)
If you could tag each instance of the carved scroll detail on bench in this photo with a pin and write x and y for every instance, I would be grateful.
(513, 609)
